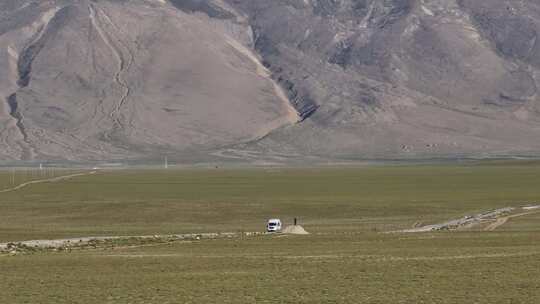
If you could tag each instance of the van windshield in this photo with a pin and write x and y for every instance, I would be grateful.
(272, 224)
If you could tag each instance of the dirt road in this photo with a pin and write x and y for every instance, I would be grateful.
(496, 218)
(48, 180)
(503, 220)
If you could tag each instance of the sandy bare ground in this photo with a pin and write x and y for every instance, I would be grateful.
(48, 180)
(83, 241)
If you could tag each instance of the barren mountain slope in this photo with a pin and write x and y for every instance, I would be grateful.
(116, 79)
(342, 79)
(402, 78)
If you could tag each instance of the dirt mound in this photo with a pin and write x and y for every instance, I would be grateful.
(295, 229)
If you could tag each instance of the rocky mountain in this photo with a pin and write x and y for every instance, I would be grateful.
(268, 80)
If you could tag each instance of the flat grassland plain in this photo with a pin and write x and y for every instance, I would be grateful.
(347, 258)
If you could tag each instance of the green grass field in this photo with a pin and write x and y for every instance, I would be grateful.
(346, 259)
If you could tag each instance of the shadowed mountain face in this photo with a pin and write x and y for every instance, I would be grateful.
(268, 80)
(403, 78)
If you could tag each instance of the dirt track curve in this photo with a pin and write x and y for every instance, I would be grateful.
(503, 220)
(48, 180)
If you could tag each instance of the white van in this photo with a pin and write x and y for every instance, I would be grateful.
(274, 225)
